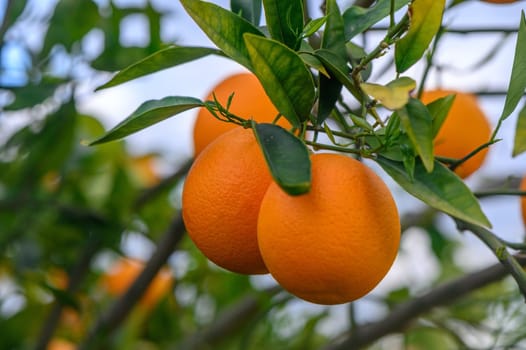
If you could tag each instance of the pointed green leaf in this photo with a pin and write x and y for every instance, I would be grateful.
(287, 157)
(333, 40)
(441, 189)
(248, 9)
(285, 21)
(439, 110)
(286, 79)
(518, 72)
(419, 127)
(519, 145)
(162, 59)
(313, 26)
(223, 27)
(393, 95)
(426, 17)
(357, 19)
(149, 113)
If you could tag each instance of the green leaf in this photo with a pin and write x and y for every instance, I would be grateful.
(333, 40)
(248, 9)
(394, 95)
(284, 76)
(163, 59)
(313, 26)
(439, 110)
(358, 19)
(285, 21)
(223, 27)
(31, 95)
(441, 189)
(338, 69)
(518, 72)
(519, 145)
(149, 113)
(287, 157)
(419, 127)
(426, 17)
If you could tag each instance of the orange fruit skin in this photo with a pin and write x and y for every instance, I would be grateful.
(125, 271)
(221, 198)
(522, 187)
(465, 128)
(249, 101)
(336, 243)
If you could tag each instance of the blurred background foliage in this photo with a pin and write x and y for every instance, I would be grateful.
(68, 212)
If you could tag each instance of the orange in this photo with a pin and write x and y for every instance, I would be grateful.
(465, 128)
(249, 101)
(523, 200)
(60, 344)
(125, 271)
(336, 243)
(143, 168)
(221, 198)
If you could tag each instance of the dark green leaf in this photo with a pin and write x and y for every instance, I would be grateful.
(418, 124)
(333, 40)
(287, 157)
(223, 27)
(149, 113)
(285, 21)
(519, 145)
(441, 189)
(357, 19)
(426, 17)
(248, 9)
(439, 110)
(338, 69)
(163, 59)
(284, 76)
(518, 73)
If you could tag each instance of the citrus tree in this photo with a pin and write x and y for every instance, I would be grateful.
(289, 211)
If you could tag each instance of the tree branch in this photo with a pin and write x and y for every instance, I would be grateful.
(116, 314)
(402, 315)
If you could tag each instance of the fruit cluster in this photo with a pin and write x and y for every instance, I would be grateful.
(329, 246)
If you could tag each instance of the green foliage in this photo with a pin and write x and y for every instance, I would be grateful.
(517, 85)
(149, 113)
(286, 156)
(69, 207)
(426, 18)
(441, 189)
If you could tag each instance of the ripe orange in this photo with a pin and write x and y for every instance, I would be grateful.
(60, 344)
(335, 243)
(221, 198)
(465, 128)
(523, 200)
(125, 271)
(249, 101)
